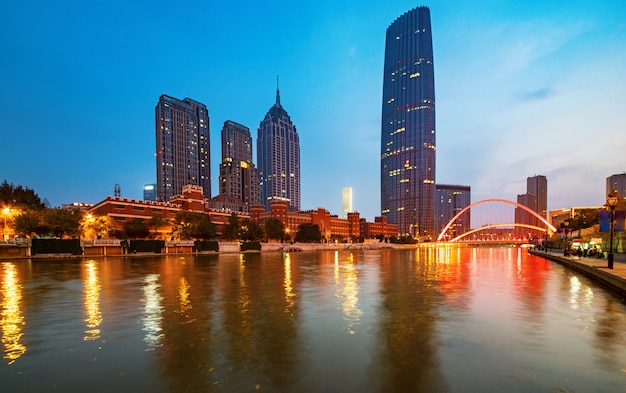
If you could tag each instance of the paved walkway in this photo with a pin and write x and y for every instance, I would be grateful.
(596, 268)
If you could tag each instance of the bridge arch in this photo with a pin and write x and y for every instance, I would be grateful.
(549, 227)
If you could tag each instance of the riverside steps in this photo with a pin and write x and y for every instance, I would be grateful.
(595, 268)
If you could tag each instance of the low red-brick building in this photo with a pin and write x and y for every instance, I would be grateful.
(121, 210)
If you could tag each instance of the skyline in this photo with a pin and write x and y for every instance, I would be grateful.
(537, 88)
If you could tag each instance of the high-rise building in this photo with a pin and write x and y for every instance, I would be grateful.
(238, 175)
(535, 198)
(182, 146)
(278, 150)
(149, 192)
(408, 126)
(538, 186)
(616, 183)
(451, 199)
(346, 201)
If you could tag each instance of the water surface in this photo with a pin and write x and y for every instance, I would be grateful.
(423, 320)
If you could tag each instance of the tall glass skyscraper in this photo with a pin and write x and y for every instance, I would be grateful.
(278, 150)
(182, 146)
(408, 126)
(238, 175)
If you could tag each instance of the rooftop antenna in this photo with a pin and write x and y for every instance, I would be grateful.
(277, 92)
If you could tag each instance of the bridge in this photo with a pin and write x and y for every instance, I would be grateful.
(496, 221)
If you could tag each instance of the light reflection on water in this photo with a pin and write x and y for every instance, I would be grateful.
(419, 320)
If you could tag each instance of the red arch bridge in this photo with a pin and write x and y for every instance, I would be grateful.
(496, 221)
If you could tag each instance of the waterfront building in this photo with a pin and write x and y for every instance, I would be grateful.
(278, 150)
(616, 183)
(149, 192)
(408, 126)
(238, 174)
(451, 200)
(562, 217)
(182, 146)
(331, 226)
(346, 202)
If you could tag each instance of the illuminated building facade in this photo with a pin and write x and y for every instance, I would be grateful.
(451, 199)
(182, 146)
(149, 192)
(278, 150)
(238, 175)
(408, 126)
(346, 201)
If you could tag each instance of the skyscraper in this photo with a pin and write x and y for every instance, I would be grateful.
(182, 146)
(535, 198)
(451, 199)
(408, 125)
(278, 150)
(238, 175)
(346, 201)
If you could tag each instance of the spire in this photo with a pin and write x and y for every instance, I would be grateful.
(277, 92)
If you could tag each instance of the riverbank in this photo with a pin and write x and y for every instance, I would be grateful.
(594, 268)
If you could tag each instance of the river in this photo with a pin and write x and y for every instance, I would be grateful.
(419, 320)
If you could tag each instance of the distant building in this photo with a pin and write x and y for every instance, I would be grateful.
(278, 151)
(238, 174)
(451, 200)
(535, 198)
(182, 146)
(408, 148)
(562, 216)
(346, 201)
(616, 182)
(149, 192)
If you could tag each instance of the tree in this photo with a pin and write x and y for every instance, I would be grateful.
(308, 233)
(193, 225)
(232, 228)
(27, 223)
(136, 229)
(251, 231)
(11, 195)
(274, 229)
(157, 221)
(63, 222)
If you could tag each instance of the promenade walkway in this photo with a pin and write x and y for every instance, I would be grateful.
(595, 268)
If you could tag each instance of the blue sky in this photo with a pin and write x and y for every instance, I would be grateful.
(522, 88)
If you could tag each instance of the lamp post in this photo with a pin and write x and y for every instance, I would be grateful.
(611, 202)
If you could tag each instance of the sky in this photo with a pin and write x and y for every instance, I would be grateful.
(522, 88)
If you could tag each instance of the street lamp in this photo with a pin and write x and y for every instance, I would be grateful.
(611, 202)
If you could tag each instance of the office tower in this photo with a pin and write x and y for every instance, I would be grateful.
(149, 192)
(346, 201)
(616, 182)
(182, 146)
(278, 150)
(451, 200)
(538, 186)
(535, 198)
(408, 126)
(238, 175)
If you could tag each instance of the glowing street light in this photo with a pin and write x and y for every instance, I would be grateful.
(611, 202)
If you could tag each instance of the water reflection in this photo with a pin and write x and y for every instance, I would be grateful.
(153, 310)
(93, 316)
(346, 282)
(12, 317)
(289, 293)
